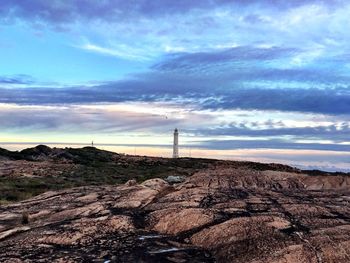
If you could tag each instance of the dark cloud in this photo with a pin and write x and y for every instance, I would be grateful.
(336, 133)
(272, 144)
(238, 54)
(327, 101)
(250, 64)
(63, 11)
(178, 88)
(255, 19)
(17, 79)
(77, 119)
(66, 11)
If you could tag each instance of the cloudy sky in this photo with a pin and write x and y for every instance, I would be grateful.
(263, 80)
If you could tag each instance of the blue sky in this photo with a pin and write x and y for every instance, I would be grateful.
(257, 80)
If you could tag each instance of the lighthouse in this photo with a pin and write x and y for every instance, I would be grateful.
(176, 144)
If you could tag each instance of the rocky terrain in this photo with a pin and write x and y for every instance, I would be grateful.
(221, 212)
(36, 170)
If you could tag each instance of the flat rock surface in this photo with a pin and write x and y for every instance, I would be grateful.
(220, 214)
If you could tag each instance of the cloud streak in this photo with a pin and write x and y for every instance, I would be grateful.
(121, 52)
(16, 80)
(338, 133)
(199, 91)
(272, 144)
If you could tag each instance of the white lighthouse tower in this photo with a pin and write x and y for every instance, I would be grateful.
(176, 144)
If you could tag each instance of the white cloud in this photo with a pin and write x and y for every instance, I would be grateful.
(120, 51)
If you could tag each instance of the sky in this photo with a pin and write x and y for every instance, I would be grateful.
(260, 80)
